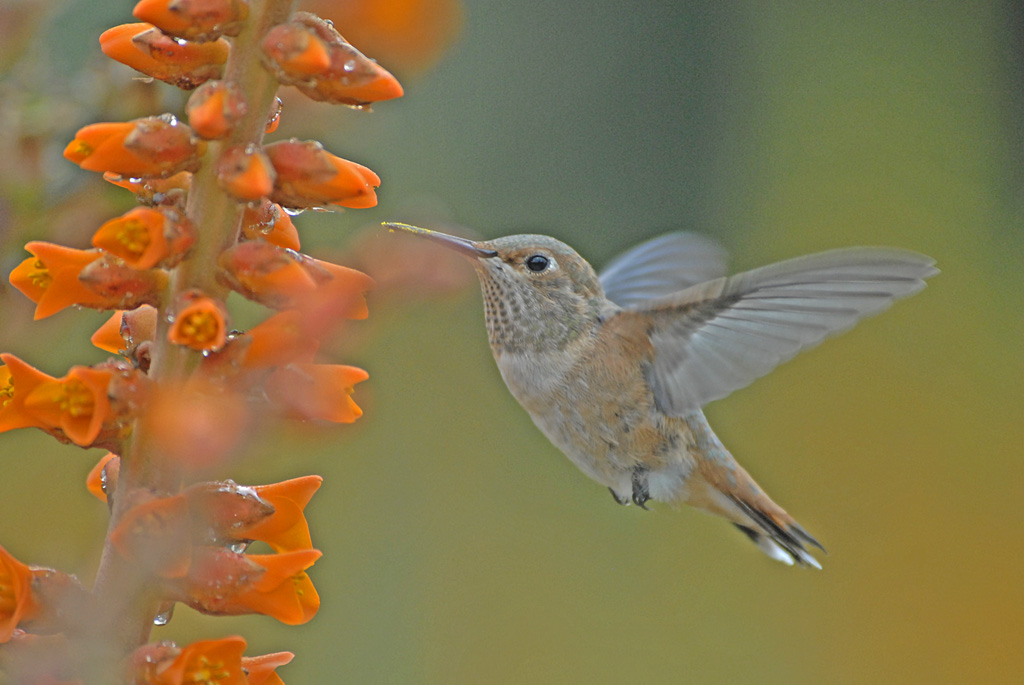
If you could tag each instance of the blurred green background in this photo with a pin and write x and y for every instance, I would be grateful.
(459, 546)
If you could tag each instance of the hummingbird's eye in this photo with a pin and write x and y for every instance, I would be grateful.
(537, 263)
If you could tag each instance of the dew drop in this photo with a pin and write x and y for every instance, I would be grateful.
(349, 65)
(293, 211)
(239, 546)
(164, 615)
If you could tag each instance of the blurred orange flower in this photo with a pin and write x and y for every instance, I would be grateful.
(280, 339)
(181, 63)
(156, 532)
(262, 670)
(151, 146)
(102, 479)
(317, 391)
(207, 661)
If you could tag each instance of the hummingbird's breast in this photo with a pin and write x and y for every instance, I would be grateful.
(592, 400)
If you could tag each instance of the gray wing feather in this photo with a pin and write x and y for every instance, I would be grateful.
(722, 335)
(663, 265)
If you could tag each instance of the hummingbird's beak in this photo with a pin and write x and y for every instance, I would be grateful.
(463, 246)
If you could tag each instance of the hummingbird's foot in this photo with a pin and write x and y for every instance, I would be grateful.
(619, 500)
(640, 492)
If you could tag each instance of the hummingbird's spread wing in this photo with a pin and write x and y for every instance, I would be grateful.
(663, 265)
(722, 335)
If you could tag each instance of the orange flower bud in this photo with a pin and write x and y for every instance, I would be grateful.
(200, 322)
(180, 63)
(156, 532)
(245, 173)
(316, 391)
(295, 53)
(77, 404)
(262, 670)
(151, 191)
(102, 479)
(309, 176)
(207, 661)
(214, 109)
(199, 20)
(144, 237)
(286, 530)
(151, 146)
(120, 286)
(223, 511)
(310, 54)
(59, 598)
(17, 602)
(268, 221)
(50, 278)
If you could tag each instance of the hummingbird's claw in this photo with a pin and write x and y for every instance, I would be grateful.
(640, 492)
(619, 500)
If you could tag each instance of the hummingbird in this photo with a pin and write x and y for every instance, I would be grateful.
(615, 368)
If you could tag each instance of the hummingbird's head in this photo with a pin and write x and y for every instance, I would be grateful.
(538, 292)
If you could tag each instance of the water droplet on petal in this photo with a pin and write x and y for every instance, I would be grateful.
(350, 65)
(293, 211)
(240, 546)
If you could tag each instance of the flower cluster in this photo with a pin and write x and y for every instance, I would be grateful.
(184, 387)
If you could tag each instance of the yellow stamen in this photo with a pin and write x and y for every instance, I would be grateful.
(134, 236)
(75, 399)
(40, 275)
(200, 327)
(208, 672)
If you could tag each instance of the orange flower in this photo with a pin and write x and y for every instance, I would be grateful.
(245, 173)
(309, 176)
(77, 404)
(280, 340)
(214, 109)
(156, 532)
(207, 661)
(221, 582)
(17, 381)
(181, 63)
(268, 221)
(262, 670)
(285, 530)
(266, 274)
(200, 322)
(50, 278)
(102, 479)
(152, 146)
(17, 602)
(194, 19)
(285, 590)
(316, 391)
(143, 237)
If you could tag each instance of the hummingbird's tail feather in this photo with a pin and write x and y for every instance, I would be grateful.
(784, 541)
